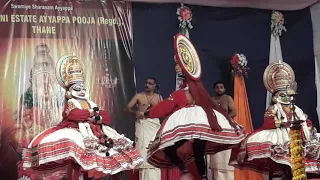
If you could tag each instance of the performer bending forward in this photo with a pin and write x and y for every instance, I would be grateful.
(267, 150)
(193, 120)
(83, 137)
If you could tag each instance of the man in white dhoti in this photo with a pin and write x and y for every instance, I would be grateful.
(219, 162)
(146, 129)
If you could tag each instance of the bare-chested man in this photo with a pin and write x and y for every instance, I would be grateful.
(146, 128)
(223, 100)
(219, 162)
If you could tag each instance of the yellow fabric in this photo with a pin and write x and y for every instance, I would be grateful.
(84, 105)
(243, 118)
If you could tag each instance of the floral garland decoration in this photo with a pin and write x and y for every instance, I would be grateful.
(184, 16)
(239, 65)
(297, 156)
(277, 23)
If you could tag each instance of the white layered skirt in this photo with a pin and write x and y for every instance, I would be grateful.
(56, 146)
(268, 151)
(192, 123)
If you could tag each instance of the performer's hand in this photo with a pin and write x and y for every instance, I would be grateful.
(99, 122)
(98, 119)
(91, 120)
(285, 124)
(139, 115)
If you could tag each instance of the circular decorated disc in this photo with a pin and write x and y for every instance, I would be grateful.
(187, 57)
(269, 72)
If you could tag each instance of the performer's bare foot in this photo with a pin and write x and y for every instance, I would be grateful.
(204, 178)
(186, 176)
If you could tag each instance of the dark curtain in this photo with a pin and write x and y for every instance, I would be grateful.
(218, 34)
(297, 50)
(154, 26)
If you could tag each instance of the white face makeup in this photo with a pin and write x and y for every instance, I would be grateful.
(79, 91)
(282, 98)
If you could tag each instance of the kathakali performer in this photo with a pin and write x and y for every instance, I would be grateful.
(267, 150)
(83, 138)
(193, 121)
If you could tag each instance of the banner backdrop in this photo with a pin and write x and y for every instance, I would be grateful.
(34, 35)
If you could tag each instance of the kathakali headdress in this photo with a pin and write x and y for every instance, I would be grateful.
(69, 72)
(277, 77)
(187, 57)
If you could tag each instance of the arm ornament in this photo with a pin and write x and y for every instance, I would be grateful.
(269, 113)
(278, 123)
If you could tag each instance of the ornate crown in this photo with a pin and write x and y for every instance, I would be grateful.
(277, 76)
(281, 80)
(69, 70)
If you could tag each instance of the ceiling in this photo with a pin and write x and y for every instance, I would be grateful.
(288, 5)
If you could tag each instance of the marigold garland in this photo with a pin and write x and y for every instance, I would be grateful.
(297, 159)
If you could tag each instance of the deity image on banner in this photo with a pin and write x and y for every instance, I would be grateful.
(40, 105)
(46, 91)
(38, 101)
